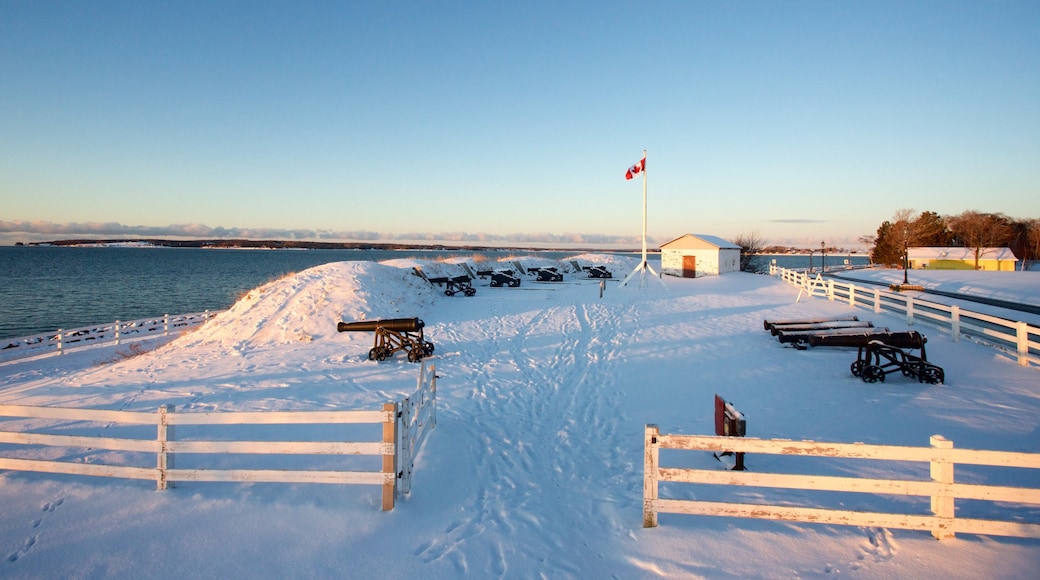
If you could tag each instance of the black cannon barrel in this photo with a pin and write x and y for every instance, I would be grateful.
(395, 324)
(798, 336)
(911, 339)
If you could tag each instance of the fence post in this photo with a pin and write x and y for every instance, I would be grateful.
(852, 295)
(877, 301)
(955, 322)
(830, 290)
(651, 459)
(942, 500)
(406, 442)
(165, 460)
(61, 341)
(433, 396)
(909, 310)
(116, 327)
(166, 324)
(1023, 344)
(389, 456)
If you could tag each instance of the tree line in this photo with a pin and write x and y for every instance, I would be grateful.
(971, 229)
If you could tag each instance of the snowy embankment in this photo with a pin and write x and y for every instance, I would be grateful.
(535, 467)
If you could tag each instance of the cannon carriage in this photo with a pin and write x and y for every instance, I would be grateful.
(876, 359)
(549, 275)
(458, 284)
(598, 272)
(393, 335)
(501, 278)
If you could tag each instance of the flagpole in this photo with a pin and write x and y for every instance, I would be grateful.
(643, 265)
(642, 276)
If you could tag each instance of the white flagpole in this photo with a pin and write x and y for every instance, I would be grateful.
(644, 265)
(642, 276)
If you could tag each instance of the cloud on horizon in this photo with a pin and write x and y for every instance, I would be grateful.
(37, 229)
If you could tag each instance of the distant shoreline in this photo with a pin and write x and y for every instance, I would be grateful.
(312, 245)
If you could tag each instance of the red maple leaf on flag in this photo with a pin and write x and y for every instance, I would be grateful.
(636, 169)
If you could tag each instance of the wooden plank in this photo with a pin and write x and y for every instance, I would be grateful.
(809, 515)
(106, 443)
(808, 482)
(94, 469)
(276, 417)
(996, 493)
(803, 448)
(850, 450)
(278, 447)
(95, 415)
(996, 528)
(275, 476)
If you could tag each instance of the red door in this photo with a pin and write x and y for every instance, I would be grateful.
(689, 266)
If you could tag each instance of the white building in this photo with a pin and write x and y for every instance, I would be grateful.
(696, 255)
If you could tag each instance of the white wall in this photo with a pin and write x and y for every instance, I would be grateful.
(710, 262)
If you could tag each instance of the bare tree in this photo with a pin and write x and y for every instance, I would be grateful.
(981, 231)
(750, 245)
(1033, 245)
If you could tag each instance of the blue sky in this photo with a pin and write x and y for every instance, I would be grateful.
(803, 121)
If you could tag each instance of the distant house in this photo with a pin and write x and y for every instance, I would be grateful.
(696, 255)
(961, 259)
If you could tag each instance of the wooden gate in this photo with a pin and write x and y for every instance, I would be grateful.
(689, 266)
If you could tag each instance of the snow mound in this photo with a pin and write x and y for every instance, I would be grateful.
(306, 306)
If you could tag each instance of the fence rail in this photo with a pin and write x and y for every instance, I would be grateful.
(404, 427)
(941, 489)
(62, 341)
(1014, 336)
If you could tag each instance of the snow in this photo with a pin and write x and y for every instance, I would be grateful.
(535, 466)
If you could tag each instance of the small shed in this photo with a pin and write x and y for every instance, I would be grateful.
(932, 258)
(696, 255)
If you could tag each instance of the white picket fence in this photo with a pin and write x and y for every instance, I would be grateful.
(62, 341)
(941, 488)
(1014, 336)
(404, 426)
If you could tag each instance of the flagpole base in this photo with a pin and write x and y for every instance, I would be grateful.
(641, 269)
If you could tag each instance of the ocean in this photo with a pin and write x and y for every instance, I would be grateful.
(44, 288)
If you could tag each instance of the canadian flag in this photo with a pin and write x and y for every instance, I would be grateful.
(636, 169)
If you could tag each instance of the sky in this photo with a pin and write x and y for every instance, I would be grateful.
(478, 121)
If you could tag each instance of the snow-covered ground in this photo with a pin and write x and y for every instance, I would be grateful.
(535, 466)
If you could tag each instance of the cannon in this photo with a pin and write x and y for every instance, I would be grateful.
(462, 284)
(877, 359)
(504, 278)
(599, 272)
(393, 335)
(549, 275)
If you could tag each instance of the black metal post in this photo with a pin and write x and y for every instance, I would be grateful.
(906, 260)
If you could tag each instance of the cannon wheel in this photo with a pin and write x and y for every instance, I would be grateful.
(933, 376)
(857, 368)
(377, 353)
(469, 291)
(514, 283)
(449, 292)
(873, 374)
(427, 348)
(414, 355)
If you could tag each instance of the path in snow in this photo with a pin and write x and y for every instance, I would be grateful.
(540, 415)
